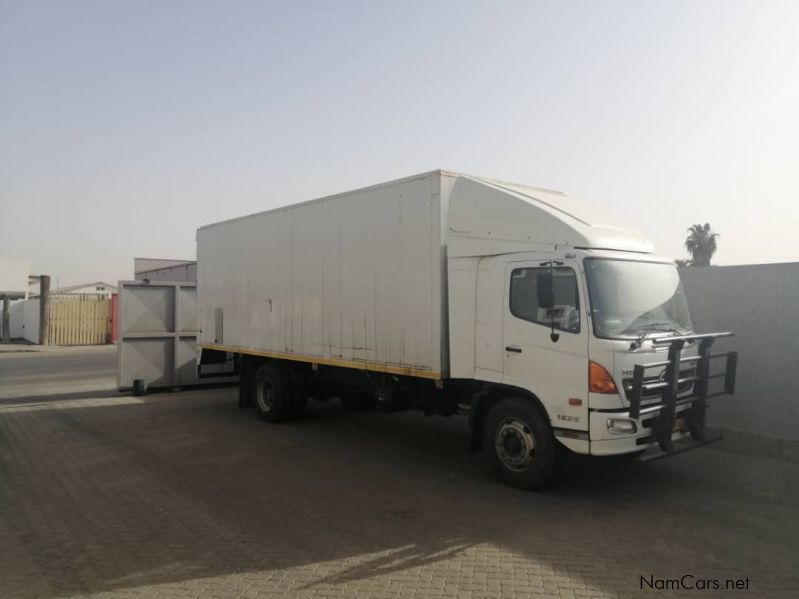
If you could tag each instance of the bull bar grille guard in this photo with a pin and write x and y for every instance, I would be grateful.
(666, 408)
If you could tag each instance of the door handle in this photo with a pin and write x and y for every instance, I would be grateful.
(513, 348)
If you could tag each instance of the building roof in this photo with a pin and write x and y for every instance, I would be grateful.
(185, 264)
(148, 264)
(71, 288)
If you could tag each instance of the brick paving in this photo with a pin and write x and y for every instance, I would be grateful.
(183, 495)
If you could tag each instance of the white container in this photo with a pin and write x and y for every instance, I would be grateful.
(355, 279)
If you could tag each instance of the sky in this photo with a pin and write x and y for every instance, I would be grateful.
(125, 125)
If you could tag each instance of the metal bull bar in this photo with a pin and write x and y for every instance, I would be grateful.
(666, 408)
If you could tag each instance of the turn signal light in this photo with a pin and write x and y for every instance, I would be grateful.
(599, 379)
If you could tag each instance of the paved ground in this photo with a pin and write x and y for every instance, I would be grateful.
(182, 495)
(54, 373)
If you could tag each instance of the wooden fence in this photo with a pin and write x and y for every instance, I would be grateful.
(79, 320)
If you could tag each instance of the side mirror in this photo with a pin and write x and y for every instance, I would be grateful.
(546, 293)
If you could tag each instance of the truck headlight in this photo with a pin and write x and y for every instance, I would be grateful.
(622, 426)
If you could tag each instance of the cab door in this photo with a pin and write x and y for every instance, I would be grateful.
(545, 349)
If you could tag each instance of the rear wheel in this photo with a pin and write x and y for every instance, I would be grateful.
(520, 443)
(272, 393)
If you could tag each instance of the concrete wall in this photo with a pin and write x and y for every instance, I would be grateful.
(24, 320)
(760, 304)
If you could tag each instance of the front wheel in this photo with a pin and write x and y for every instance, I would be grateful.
(520, 443)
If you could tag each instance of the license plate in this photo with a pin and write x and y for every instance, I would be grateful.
(679, 425)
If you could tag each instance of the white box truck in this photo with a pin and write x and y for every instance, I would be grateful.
(451, 294)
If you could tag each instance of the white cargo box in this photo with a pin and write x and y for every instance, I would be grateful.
(351, 280)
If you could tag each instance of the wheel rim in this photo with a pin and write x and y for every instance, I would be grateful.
(266, 396)
(515, 444)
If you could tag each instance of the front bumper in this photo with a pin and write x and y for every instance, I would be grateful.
(603, 442)
(674, 416)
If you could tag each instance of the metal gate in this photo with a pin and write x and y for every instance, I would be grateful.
(158, 334)
(79, 320)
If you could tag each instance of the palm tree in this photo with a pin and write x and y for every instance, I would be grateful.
(701, 244)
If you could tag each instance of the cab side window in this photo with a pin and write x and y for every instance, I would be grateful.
(524, 298)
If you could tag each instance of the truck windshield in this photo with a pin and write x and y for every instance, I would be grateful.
(631, 298)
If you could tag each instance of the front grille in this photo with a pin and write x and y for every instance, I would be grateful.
(652, 393)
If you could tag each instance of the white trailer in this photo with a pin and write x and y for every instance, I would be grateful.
(452, 293)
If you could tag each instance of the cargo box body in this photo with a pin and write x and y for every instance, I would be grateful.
(355, 280)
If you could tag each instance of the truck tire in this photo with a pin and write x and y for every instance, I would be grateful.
(520, 443)
(272, 393)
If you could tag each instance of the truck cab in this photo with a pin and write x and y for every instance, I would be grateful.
(588, 326)
(571, 324)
